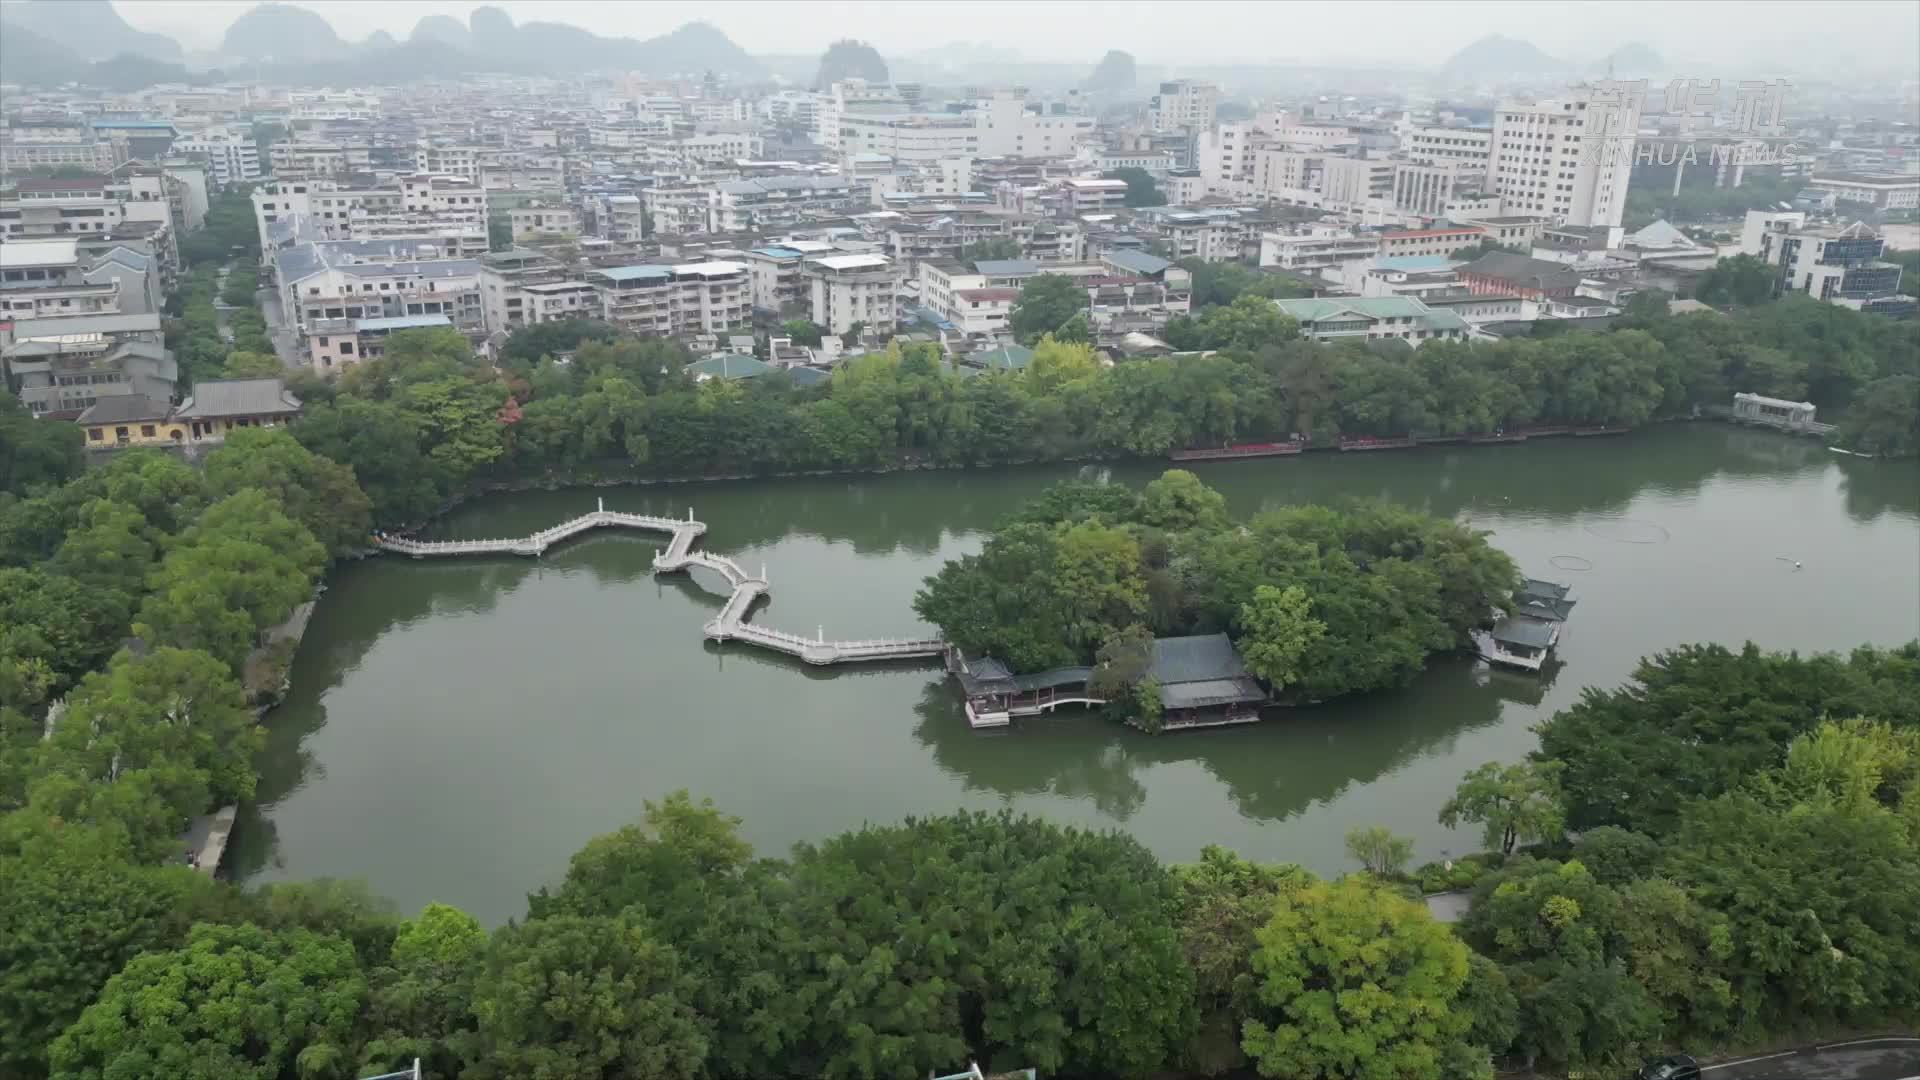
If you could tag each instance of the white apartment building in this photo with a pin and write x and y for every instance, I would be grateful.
(231, 156)
(835, 101)
(1569, 159)
(798, 108)
(1183, 105)
(46, 279)
(849, 289)
(966, 299)
(439, 160)
(80, 206)
(679, 209)
(1353, 182)
(1838, 264)
(1211, 235)
(293, 210)
(909, 136)
(1225, 155)
(1471, 147)
(725, 110)
(317, 159)
(543, 219)
(775, 202)
(1880, 191)
(717, 147)
(328, 287)
(618, 217)
(978, 300)
(332, 105)
(557, 301)
(504, 306)
(1316, 248)
(1091, 196)
(1429, 189)
(1002, 125)
(691, 298)
(1396, 243)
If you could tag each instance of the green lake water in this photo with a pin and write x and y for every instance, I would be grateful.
(457, 729)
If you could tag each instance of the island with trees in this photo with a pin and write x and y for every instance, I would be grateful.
(1319, 601)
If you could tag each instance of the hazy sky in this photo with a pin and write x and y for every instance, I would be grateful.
(1730, 34)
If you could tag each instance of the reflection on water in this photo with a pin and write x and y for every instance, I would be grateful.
(456, 730)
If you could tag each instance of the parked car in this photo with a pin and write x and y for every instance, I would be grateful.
(1671, 1067)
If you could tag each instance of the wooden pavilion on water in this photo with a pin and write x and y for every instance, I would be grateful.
(1203, 683)
(1526, 637)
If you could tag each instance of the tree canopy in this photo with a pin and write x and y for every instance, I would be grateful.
(1322, 601)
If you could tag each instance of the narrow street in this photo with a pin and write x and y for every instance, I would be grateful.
(1860, 1059)
(268, 300)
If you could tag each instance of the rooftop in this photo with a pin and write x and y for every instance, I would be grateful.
(728, 366)
(1004, 267)
(1140, 262)
(636, 273)
(852, 262)
(238, 397)
(400, 322)
(1531, 633)
(16, 254)
(123, 409)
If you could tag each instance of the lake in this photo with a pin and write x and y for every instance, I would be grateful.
(457, 729)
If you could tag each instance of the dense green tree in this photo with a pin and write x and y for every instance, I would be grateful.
(168, 706)
(1046, 302)
(906, 966)
(1250, 323)
(1885, 417)
(71, 916)
(1377, 850)
(804, 332)
(1821, 901)
(1278, 628)
(382, 444)
(570, 996)
(527, 344)
(1557, 933)
(1515, 802)
(234, 1001)
(419, 1002)
(1141, 190)
(1224, 900)
(1699, 720)
(241, 364)
(242, 568)
(314, 491)
(32, 453)
(1354, 980)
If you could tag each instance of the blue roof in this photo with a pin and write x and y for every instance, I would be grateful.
(401, 322)
(634, 273)
(1413, 263)
(779, 252)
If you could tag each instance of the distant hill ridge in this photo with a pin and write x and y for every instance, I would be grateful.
(53, 39)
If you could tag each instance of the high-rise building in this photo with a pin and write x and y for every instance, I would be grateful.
(1568, 159)
(1184, 105)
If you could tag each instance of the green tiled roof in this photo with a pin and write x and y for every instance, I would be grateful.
(1005, 357)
